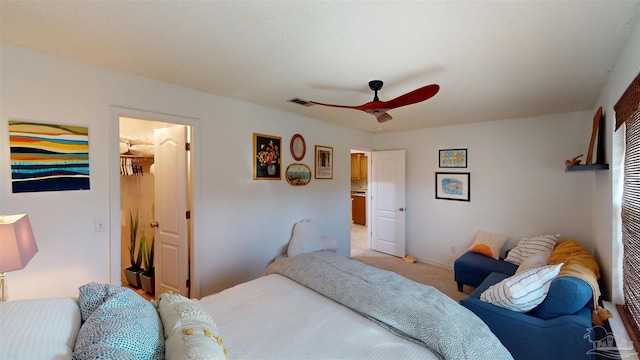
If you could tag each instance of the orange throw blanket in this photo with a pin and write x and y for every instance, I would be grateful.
(579, 263)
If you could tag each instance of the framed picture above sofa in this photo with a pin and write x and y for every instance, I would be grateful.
(453, 186)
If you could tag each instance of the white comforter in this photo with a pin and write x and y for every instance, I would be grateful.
(273, 317)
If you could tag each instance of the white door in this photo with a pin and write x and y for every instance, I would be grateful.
(388, 202)
(171, 242)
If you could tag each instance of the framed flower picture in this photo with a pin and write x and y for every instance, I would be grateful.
(266, 157)
(323, 162)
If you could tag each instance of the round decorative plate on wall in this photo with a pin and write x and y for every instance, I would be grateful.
(298, 147)
(298, 174)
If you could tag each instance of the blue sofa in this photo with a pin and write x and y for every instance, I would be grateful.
(472, 268)
(554, 330)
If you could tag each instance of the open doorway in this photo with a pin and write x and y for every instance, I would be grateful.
(360, 239)
(138, 205)
(136, 180)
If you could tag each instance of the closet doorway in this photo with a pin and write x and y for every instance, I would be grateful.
(360, 199)
(155, 157)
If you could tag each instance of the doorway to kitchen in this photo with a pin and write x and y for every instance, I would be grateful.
(360, 239)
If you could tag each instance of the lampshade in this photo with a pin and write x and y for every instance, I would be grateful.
(17, 243)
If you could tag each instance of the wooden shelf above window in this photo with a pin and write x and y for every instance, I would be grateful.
(588, 167)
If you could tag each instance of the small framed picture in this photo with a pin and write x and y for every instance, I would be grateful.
(266, 157)
(453, 158)
(323, 162)
(453, 186)
(298, 174)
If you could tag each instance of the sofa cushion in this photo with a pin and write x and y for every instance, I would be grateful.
(488, 244)
(491, 279)
(524, 291)
(566, 296)
(472, 268)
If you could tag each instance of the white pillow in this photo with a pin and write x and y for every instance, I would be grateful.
(532, 245)
(305, 238)
(524, 291)
(534, 261)
(488, 244)
(189, 331)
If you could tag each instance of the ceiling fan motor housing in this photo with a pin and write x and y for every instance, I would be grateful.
(375, 85)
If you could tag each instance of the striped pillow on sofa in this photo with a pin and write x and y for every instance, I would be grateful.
(532, 245)
(524, 291)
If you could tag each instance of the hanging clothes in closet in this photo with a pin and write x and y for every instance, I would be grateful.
(130, 167)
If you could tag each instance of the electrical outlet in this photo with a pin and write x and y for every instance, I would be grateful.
(453, 249)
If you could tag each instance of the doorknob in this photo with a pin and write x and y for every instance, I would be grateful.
(401, 209)
(154, 224)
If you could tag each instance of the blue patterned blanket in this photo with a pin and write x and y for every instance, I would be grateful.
(413, 311)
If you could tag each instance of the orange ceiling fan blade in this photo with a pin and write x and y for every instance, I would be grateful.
(415, 96)
(379, 108)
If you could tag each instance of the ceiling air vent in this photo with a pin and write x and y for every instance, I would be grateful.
(300, 102)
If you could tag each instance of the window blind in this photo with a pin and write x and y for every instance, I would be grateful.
(628, 112)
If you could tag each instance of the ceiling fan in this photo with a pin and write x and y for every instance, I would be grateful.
(379, 108)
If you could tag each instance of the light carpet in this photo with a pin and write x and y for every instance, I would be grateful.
(438, 277)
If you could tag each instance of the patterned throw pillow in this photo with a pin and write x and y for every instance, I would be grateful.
(532, 245)
(190, 332)
(524, 291)
(488, 244)
(117, 324)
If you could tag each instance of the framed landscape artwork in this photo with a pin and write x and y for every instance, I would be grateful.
(266, 157)
(453, 186)
(298, 174)
(48, 157)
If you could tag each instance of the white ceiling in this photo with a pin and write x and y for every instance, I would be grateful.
(493, 59)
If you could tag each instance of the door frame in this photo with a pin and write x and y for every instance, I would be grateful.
(115, 241)
(367, 151)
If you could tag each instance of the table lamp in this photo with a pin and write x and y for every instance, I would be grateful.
(17, 246)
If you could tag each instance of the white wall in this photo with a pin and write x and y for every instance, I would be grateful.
(519, 186)
(607, 188)
(241, 224)
(518, 183)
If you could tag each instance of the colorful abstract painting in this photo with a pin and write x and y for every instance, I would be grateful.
(48, 157)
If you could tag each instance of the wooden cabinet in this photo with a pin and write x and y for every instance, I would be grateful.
(358, 209)
(359, 167)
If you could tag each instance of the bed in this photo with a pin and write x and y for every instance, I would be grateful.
(277, 316)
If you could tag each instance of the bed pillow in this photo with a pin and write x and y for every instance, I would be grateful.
(533, 261)
(524, 291)
(190, 332)
(488, 244)
(117, 324)
(38, 328)
(305, 238)
(532, 245)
